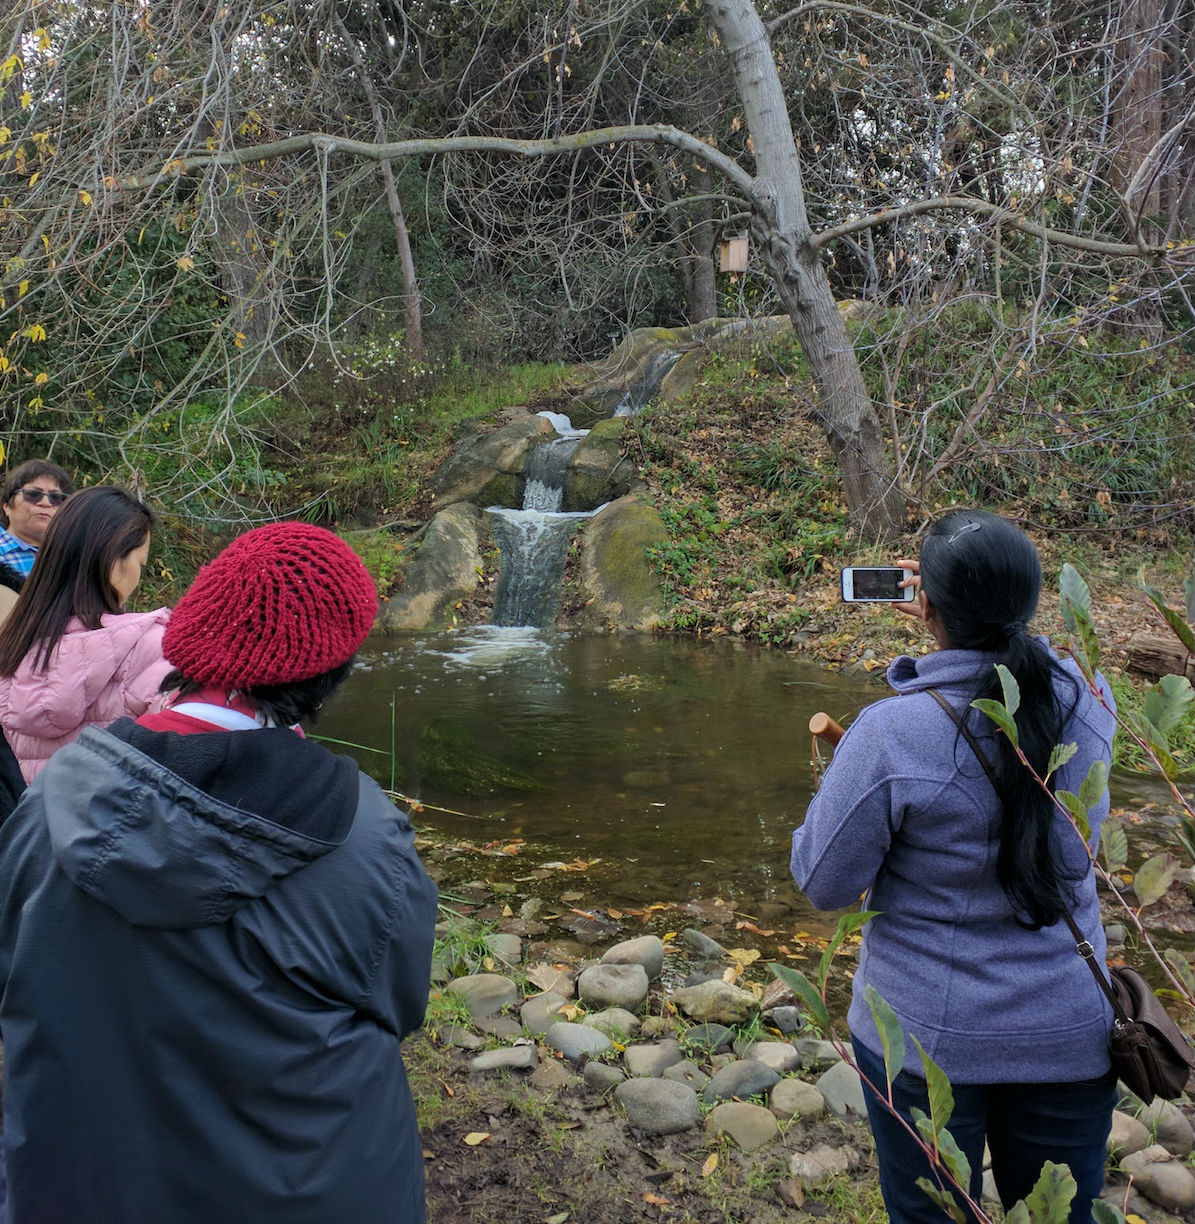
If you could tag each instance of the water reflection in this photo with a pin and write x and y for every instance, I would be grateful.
(682, 764)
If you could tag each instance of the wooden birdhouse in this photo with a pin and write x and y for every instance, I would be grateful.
(732, 254)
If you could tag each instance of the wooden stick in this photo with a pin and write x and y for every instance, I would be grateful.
(823, 727)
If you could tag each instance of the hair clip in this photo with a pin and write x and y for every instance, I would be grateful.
(963, 531)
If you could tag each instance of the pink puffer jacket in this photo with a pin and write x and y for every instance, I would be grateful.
(94, 676)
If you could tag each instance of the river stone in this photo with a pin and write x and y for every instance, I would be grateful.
(1169, 1125)
(485, 994)
(817, 1054)
(843, 1091)
(541, 1011)
(618, 585)
(549, 1076)
(601, 1077)
(707, 1037)
(657, 1026)
(687, 1073)
(743, 1078)
(445, 570)
(750, 1126)
(779, 1055)
(598, 471)
(1127, 1135)
(1161, 1178)
(718, 1002)
(575, 1041)
(652, 1060)
(659, 1106)
(514, 1058)
(506, 948)
(623, 986)
(616, 1022)
(787, 1019)
(821, 1163)
(702, 945)
(793, 1098)
(505, 1028)
(462, 1038)
(647, 951)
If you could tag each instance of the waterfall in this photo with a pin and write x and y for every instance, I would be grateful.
(641, 391)
(533, 541)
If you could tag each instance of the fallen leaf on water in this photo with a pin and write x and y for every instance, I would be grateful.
(473, 1138)
(711, 1163)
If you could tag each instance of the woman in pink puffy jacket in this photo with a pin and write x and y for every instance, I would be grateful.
(69, 654)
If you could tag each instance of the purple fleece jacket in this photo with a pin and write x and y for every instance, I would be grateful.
(906, 812)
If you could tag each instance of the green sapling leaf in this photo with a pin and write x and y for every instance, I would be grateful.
(847, 925)
(1074, 805)
(1012, 690)
(943, 1199)
(941, 1095)
(1106, 1213)
(805, 990)
(1115, 844)
(1049, 1201)
(1094, 785)
(1076, 597)
(891, 1037)
(1154, 877)
(1182, 968)
(996, 711)
(1059, 755)
(1168, 701)
(1174, 619)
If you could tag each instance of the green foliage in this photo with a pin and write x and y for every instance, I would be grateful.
(1003, 713)
(892, 1038)
(1178, 739)
(1049, 1200)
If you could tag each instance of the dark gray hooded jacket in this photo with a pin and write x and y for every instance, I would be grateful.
(210, 947)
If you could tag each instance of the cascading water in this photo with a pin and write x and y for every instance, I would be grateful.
(648, 384)
(533, 541)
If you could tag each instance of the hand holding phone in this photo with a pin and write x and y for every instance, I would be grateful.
(877, 584)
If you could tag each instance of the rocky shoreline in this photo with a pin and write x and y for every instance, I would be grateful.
(669, 1040)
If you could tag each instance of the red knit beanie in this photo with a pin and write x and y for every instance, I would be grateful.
(281, 603)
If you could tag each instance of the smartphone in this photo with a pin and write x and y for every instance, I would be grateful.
(876, 584)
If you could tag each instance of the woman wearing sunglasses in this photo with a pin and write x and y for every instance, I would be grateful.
(31, 496)
(70, 655)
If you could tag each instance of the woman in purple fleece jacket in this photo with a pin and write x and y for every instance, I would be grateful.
(969, 947)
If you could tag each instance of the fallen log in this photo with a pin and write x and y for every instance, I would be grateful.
(1154, 655)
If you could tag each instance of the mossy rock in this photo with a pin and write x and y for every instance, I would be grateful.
(446, 570)
(598, 471)
(618, 582)
(471, 472)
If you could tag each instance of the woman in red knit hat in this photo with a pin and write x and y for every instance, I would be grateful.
(214, 932)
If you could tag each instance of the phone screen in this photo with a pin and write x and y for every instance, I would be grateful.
(880, 583)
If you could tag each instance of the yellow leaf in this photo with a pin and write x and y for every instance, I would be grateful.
(22, 288)
(35, 332)
(2, 452)
(43, 39)
(711, 1163)
(84, 197)
(239, 340)
(473, 1138)
(33, 177)
(26, 100)
(10, 65)
(4, 363)
(186, 263)
(43, 377)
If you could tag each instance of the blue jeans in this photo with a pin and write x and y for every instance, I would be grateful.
(1024, 1125)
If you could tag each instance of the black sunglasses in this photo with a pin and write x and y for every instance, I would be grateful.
(34, 496)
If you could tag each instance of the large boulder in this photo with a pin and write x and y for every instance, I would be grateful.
(598, 471)
(617, 580)
(446, 570)
(487, 468)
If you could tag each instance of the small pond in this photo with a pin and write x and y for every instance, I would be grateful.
(660, 769)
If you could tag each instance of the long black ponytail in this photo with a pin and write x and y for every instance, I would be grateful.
(983, 577)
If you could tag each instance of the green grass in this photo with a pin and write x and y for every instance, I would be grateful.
(1127, 754)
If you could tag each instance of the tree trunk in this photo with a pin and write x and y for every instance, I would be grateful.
(1138, 107)
(781, 228)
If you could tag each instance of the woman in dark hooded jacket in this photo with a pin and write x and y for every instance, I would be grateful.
(214, 932)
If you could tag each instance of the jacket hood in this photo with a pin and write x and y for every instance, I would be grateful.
(943, 668)
(178, 831)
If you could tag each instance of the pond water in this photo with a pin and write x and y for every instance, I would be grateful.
(666, 769)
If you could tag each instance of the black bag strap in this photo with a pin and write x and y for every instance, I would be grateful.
(1082, 944)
